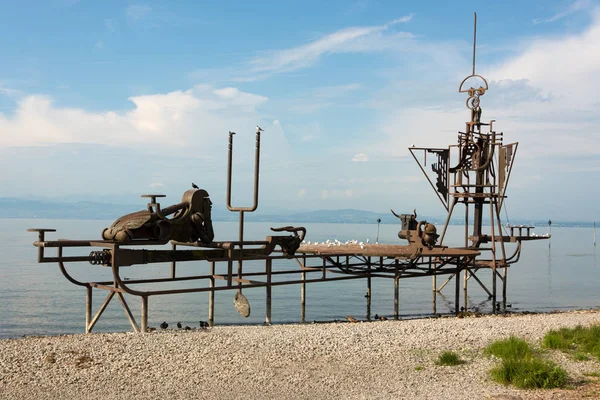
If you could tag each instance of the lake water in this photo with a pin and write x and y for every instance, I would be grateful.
(36, 299)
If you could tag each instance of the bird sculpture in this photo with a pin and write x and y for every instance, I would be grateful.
(204, 324)
(351, 319)
(376, 316)
(164, 325)
(179, 325)
(187, 328)
(195, 186)
(259, 129)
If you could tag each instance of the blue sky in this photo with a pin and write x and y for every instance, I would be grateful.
(109, 100)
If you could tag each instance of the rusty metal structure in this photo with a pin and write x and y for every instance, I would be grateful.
(477, 179)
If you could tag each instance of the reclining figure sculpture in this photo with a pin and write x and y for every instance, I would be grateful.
(191, 221)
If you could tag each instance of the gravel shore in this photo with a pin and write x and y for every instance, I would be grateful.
(370, 360)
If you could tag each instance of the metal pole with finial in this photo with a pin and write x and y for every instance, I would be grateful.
(549, 232)
(378, 222)
(474, 39)
(594, 234)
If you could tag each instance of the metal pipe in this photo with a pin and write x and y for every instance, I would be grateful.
(457, 291)
(256, 173)
(100, 311)
(303, 292)
(144, 314)
(173, 263)
(88, 308)
(268, 294)
(369, 289)
(396, 292)
(211, 296)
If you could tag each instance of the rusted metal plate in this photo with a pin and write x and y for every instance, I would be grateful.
(241, 304)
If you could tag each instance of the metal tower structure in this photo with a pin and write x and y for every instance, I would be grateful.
(475, 173)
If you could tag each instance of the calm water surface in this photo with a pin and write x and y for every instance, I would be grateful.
(37, 299)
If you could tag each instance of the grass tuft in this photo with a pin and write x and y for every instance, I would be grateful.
(511, 348)
(449, 358)
(581, 356)
(579, 340)
(521, 368)
(530, 373)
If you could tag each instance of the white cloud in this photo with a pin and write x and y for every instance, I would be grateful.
(544, 97)
(9, 92)
(173, 119)
(360, 157)
(574, 61)
(156, 185)
(342, 41)
(403, 19)
(136, 12)
(573, 7)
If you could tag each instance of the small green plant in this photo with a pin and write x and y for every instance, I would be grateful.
(581, 356)
(580, 340)
(449, 358)
(511, 348)
(531, 373)
(595, 374)
(419, 368)
(522, 368)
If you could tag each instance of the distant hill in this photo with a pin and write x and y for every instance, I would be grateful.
(39, 208)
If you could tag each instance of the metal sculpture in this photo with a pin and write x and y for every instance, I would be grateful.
(478, 179)
(191, 221)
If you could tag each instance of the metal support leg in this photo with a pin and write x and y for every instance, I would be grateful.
(466, 277)
(494, 289)
(128, 312)
(268, 288)
(457, 292)
(144, 313)
(303, 293)
(100, 311)
(88, 308)
(211, 296)
(434, 289)
(396, 292)
(369, 290)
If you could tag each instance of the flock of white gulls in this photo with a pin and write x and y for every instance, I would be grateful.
(335, 242)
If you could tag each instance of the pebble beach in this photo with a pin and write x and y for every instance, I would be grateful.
(363, 360)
